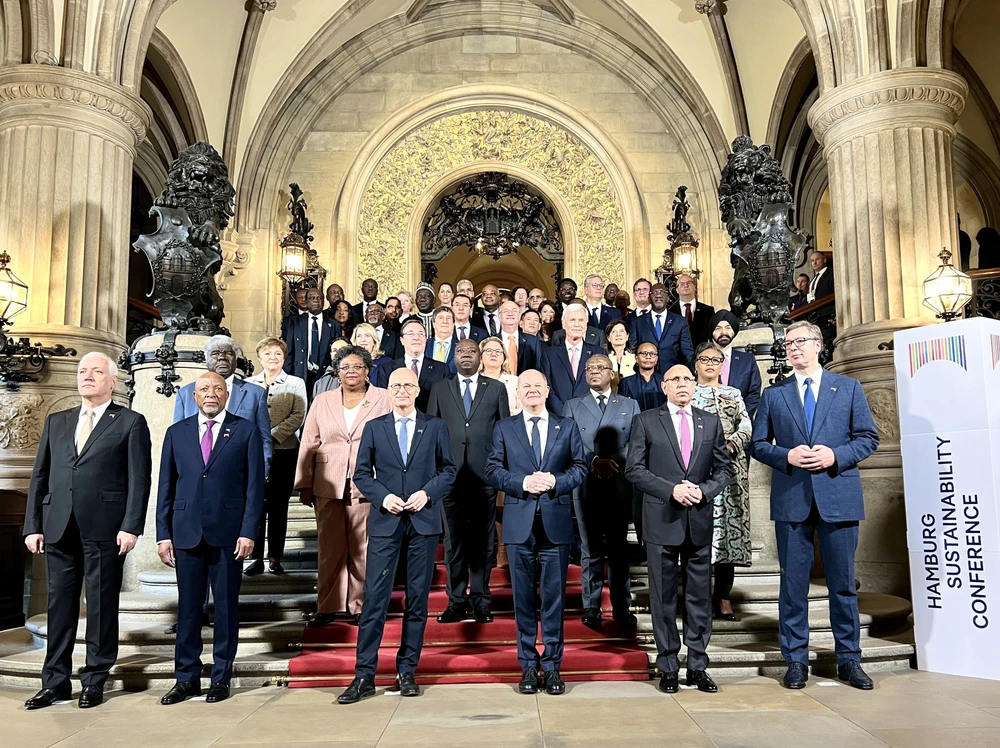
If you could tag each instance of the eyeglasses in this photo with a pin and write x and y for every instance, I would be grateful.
(647, 354)
(798, 342)
(710, 360)
(409, 387)
(680, 380)
(353, 367)
(492, 352)
(414, 334)
(596, 369)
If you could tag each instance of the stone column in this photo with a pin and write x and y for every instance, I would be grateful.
(887, 139)
(67, 144)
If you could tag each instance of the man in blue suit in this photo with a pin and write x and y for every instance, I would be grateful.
(441, 347)
(405, 468)
(211, 496)
(599, 314)
(461, 307)
(308, 338)
(740, 368)
(428, 371)
(813, 429)
(667, 331)
(537, 460)
(563, 365)
(521, 347)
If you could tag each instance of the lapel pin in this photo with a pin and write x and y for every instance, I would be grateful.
(111, 415)
(557, 428)
(700, 426)
(834, 389)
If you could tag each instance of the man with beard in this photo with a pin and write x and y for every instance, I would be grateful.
(393, 311)
(611, 294)
(740, 368)
(388, 341)
(666, 330)
(488, 317)
(369, 294)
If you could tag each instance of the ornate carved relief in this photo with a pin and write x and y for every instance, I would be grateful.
(882, 402)
(21, 420)
(439, 147)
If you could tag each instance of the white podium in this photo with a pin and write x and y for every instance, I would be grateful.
(948, 388)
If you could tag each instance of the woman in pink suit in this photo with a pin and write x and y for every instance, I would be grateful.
(327, 454)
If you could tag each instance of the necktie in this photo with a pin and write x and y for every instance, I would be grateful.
(493, 325)
(659, 328)
(314, 342)
(601, 403)
(574, 361)
(461, 332)
(467, 397)
(206, 442)
(685, 437)
(687, 313)
(403, 438)
(809, 405)
(85, 430)
(725, 370)
(512, 354)
(536, 439)
(413, 367)
(643, 312)
(595, 321)
(439, 351)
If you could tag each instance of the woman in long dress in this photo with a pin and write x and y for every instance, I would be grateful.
(731, 537)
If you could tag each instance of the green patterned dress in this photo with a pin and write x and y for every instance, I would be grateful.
(731, 536)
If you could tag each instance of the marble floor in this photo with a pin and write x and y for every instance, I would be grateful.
(907, 708)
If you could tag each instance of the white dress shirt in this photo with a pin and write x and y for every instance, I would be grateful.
(98, 414)
(606, 395)
(676, 420)
(811, 296)
(472, 387)
(662, 316)
(309, 337)
(379, 332)
(641, 310)
(506, 337)
(543, 427)
(411, 428)
(467, 328)
(496, 320)
(592, 309)
(800, 382)
(408, 360)
(203, 420)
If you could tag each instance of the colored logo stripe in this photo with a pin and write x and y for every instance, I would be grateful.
(943, 349)
(995, 349)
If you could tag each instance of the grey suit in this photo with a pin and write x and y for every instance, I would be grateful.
(671, 529)
(603, 505)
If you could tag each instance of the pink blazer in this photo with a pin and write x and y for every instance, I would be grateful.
(328, 451)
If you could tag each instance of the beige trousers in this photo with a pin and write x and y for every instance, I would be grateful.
(342, 535)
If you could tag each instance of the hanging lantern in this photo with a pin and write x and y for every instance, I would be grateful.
(947, 290)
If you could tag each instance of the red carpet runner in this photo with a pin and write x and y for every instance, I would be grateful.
(469, 652)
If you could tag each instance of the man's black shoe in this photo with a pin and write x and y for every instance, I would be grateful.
(359, 689)
(46, 697)
(91, 696)
(853, 674)
(454, 613)
(182, 690)
(703, 680)
(554, 685)
(321, 619)
(669, 683)
(624, 615)
(407, 685)
(529, 681)
(591, 617)
(217, 692)
(483, 614)
(257, 567)
(796, 675)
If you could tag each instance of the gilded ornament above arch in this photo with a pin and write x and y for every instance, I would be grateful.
(439, 147)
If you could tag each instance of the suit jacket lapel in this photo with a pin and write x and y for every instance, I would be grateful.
(226, 428)
(419, 424)
(390, 434)
(827, 392)
(237, 395)
(591, 405)
(337, 411)
(667, 423)
(69, 422)
(106, 420)
(791, 393)
(550, 440)
(480, 395)
(521, 429)
(697, 435)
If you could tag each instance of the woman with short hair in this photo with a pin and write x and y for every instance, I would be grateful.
(619, 351)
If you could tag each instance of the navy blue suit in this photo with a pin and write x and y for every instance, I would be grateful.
(529, 351)
(828, 502)
(296, 337)
(380, 471)
(537, 527)
(475, 333)
(379, 375)
(745, 376)
(649, 394)
(204, 508)
(556, 368)
(602, 320)
(431, 371)
(449, 361)
(674, 344)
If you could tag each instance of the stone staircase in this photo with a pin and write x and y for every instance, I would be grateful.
(273, 609)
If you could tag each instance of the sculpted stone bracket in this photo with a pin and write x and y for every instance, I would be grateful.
(21, 360)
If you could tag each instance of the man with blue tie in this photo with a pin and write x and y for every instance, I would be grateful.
(599, 314)
(668, 331)
(405, 468)
(563, 365)
(739, 369)
(210, 501)
(308, 338)
(537, 460)
(813, 429)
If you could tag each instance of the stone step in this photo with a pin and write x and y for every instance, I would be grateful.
(139, 606)
(761, 572)
(289, 583)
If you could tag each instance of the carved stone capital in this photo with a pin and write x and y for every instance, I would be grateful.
(902, 98)
(70, 97)
(264, 5)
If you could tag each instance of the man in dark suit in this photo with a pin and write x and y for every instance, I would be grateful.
(388, 341)
(369, 295)
(487, 316)
(537, 460)
(603, 504)
(308, 340)
(599, 314)
(821, 284)
(428, 370)
(405, 468)
(565, 293)
(593, 337)
(740, 368)
(441, 347)
(86, 507)
(470, 405)
(522, 348)
(677, 457)
(563, 365)
(298, 309)
(801, 295)
(640, 292)
(813, 429)
(209, 505)
(461, 306)
(666, 330)
(696, 314)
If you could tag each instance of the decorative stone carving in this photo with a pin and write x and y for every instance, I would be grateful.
(21, 419)
(439, 147)
(265, 5)
(882, 402)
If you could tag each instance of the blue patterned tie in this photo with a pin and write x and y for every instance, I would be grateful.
(403, 438)
(467, 397)
(659, 328)
(809, 405)
(536, 440)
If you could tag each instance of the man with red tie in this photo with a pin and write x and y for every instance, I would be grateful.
(696, 314)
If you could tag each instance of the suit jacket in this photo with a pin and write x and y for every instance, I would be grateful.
(390, 343)
(648, 397)
(297, 339)
(431, 372)
(478, 319)
(557, 371)
(218, 502)
(449, 361)
(701, 316)
(674, 345)
(380, 471)
(475, 333)
(288, 320)
(824, 286)
(633, 315)
(358, 312)
(329, 451)
(655, 467)
(745, 376)
(247, 401)
(593, 336)
(608, 313)
(529, 351)
(286, 408)
(105, 487)
(842, 421)
(604, 435)
(511, 460)
(469, 434)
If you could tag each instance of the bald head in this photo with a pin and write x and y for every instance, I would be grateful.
(404, 388)
(678, 385)
(210, 394)
(533, 389)
(510, 315)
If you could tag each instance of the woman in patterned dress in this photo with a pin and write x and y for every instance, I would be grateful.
(731, 536)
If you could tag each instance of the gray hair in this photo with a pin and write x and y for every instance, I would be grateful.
(442, 310)
(221, 341)
(814, 331)
(586, 281)
(112, 366)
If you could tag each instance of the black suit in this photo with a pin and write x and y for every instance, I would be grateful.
(701, 316)
(823, 286)
(480, 319)
(390, 345)
(431, 372)
(475, 333)
(297, 340)
(671, 529)
(529, 351)
(601, 317)
(80, 502)
(563, 386)
(470, 507)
